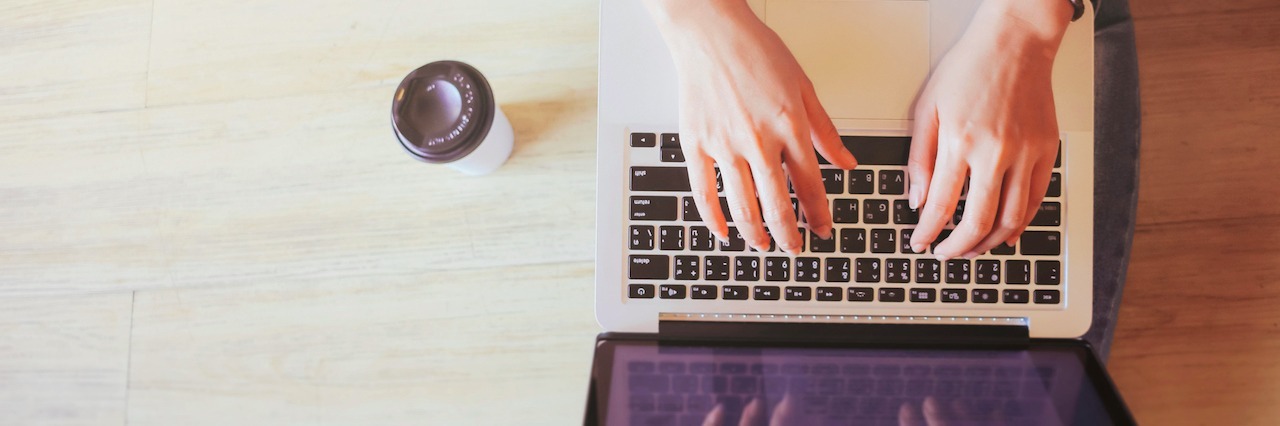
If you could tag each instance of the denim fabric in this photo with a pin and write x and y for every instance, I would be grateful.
(1117, 124)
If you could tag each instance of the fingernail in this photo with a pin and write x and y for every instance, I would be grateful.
(918, 248)
(823, 232)
(914, 201)
(970, 255)
(941, 256)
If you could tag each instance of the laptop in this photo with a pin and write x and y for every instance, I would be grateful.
(668, 294)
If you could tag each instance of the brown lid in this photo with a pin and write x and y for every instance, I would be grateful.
(442, 111)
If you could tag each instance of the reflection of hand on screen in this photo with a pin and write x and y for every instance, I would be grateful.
(931, 412)
(753, 414)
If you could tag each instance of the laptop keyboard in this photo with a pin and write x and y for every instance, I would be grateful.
(682, 393)
(672, 255)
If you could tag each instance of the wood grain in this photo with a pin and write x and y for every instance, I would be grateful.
(489, 346)
(64, 360)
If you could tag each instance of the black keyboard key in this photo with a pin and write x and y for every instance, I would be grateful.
(924, 295)
(903, 214)
(833, 179)
(861, 294)
(875, 211)
(1050, 214)
(643, 140)
(686, 268)
(716, 268)
(1057, 162)
(862, 182)
(746, 268)
(672, 291)
(853, 240)
(724, 210)
(837, 269)
(653, 208)
(641, 238)
(646, 267)
(735, 241)
(959, 213)
(844, 210)
(670, 403)
(884, 241)
(735, 292)
(672, 155)
(879, 150)
(670, 140)
(640, 291)
(1048, 297)
(897, 271)
(867, 270)
(671, 238)
(819, 245)
(720, 185)
(986, 272)
(798, 293)
(928, 271)
(808, 268)
(690, 210)
(777, 269)
(892, 182)
(829, 294)
(952, 295)
(1055, 186)
(664, 179)
(890, 294)
(1048, 272)
(942, 236)
(701, 239)
(1041, 243)
(985, 295)
(1015, 296)
(703, 292)
(766, 292)
(1017, 271)
(1003, 250)
(958, 271)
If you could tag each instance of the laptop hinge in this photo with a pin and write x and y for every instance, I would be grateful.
(846, 329)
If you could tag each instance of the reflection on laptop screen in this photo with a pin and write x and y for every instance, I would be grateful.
(698, 385)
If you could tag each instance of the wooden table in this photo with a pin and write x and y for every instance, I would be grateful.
(205, 219)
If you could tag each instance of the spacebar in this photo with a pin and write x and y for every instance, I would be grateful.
(666, 179)
(877, 150)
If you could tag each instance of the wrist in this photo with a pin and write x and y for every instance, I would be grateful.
(1035, 25)
(695, 19)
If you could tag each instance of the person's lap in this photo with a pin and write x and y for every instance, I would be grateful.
(1116, 140)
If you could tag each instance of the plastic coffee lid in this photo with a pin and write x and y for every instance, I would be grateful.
(442, 111)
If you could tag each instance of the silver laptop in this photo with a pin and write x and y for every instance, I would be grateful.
(868, 59)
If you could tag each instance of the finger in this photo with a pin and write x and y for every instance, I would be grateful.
(933, 413)
(752, 414)
(785, 414)
(702, 182)
(1013, 205)
(907, 415)
(715, 417)
(1039, 185)
(775, 204)
(823, 133)
(740, 189)
(924, 152)
(940, 204)
(979, 213)
(801, 164)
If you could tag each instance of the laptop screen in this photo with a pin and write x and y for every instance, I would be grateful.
(642, 382)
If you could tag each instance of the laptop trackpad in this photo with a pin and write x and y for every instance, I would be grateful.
(867, 58)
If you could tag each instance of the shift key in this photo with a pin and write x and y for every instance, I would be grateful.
(1041, 243)
(653, 208)
(664, 179)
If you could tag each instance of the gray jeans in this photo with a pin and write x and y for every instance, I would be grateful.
(1117, 133)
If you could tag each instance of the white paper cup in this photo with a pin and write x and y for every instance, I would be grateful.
(444, 113)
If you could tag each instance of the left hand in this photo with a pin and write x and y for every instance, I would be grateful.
(988, 112)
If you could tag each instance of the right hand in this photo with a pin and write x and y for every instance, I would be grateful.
(747, 107)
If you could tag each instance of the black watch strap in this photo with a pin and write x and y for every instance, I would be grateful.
(1079, 9)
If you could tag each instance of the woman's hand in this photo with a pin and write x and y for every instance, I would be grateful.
(988, 113)
(746, 106)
